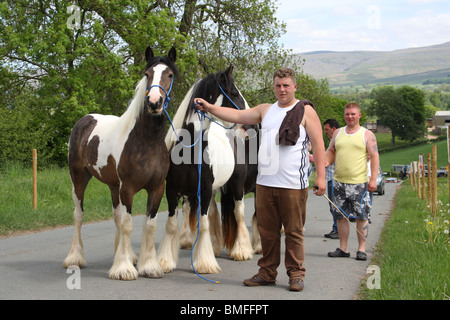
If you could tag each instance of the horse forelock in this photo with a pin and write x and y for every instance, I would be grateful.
(165, 60)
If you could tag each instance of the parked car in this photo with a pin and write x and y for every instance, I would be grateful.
(391, 180)
(441, 172)
(380, 182)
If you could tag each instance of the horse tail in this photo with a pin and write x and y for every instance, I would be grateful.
(229, 224)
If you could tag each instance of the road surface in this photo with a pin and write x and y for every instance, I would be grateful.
(31, 265)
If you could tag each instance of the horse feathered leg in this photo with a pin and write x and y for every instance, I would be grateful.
(215, 227)
(148, 264)
(169, 247)
(76, 255)
(204, 260)
(80, 179)
(242, 249)
(123, 268)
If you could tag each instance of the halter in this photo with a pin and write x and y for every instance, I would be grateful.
(167, 93)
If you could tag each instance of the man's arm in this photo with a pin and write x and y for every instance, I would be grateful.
(372, 150)
(247, 116)
(313, 127)
(330, 155)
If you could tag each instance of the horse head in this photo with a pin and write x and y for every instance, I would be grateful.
(160, 72)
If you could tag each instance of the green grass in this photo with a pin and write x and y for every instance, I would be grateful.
(407, 155)
(414, 250)
(54, 205)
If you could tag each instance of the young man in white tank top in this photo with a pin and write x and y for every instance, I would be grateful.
(282, 184)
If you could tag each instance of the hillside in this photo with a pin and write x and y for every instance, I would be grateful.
(406, 66)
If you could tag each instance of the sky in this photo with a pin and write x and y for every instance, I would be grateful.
(374, 25)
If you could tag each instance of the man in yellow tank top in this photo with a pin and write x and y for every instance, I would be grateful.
(349, 149)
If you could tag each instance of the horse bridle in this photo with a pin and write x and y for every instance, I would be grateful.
(167, 93)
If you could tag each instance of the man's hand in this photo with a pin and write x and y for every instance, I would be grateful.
(319, 187)
(201, 105)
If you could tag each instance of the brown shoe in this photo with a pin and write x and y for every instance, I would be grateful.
(257, 281)
(296, 284)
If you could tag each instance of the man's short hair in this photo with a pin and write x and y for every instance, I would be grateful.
(352, 105)
(333, 123)
(285, 73)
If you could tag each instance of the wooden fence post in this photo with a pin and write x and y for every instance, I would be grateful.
(429, 181)
(419, 185)
(434, 181)
(424, 189)
(34, 179)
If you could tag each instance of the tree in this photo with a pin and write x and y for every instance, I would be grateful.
(402, 110)
(71, 60)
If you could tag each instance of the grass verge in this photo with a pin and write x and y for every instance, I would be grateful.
(413, 250)
(55, 205)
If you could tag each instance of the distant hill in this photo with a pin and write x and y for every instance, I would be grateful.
(406, 66)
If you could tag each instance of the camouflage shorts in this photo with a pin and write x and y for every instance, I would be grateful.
(349, 198)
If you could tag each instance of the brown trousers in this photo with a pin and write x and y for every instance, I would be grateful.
(276, 207)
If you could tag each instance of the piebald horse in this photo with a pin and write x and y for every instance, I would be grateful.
(128, 154)
(223, 166)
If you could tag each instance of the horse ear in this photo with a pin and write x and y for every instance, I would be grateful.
(149, 54)
(173, 54)
(229, 71)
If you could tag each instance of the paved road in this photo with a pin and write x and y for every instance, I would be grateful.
(31, 265)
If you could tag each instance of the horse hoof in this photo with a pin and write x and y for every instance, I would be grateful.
(241, 256)
(208, 269)
(167, 266)
(70, 261)
(123, 273)
(150, 269)
(151, 273)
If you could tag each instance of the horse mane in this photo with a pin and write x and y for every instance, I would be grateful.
(203, 88)
(134, 109)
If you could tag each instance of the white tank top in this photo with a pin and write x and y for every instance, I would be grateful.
(279, 165)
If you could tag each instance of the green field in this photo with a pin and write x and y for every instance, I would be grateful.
(407, 155)
(54, 205)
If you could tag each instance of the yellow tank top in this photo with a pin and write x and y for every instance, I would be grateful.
(351, 157)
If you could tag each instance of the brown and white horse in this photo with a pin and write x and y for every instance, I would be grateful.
(128, 153)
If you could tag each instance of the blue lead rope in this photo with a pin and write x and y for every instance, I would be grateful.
(201, 116)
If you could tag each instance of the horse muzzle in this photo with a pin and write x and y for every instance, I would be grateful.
(154, 108)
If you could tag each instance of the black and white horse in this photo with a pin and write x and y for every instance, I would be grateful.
(128, 154)
(223, 167)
